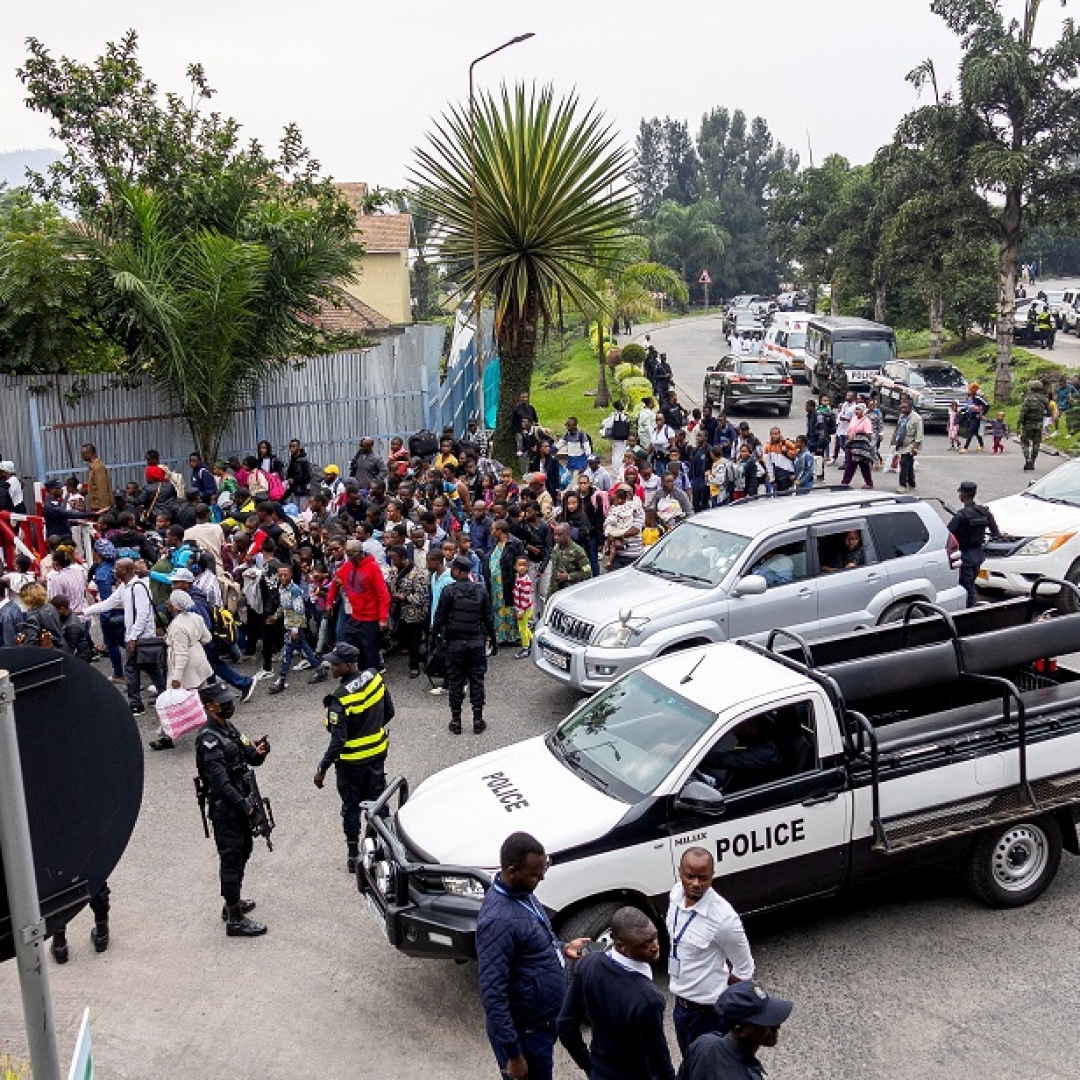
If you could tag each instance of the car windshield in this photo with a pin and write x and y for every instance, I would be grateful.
(943, 378)
(796, 340)
(859, 353)
(628, 737)
(1062, 485)
(756, 369)
(694, 554)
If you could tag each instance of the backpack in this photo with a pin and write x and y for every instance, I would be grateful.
(223, 630)
(275, 486)
(423, 444)
(620, 428)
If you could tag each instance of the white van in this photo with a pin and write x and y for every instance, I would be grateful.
(786, 340)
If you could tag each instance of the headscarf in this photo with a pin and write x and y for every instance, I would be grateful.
(180, 600)
(106, 549)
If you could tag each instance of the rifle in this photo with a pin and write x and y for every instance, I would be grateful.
(261, 815)
(200, 798)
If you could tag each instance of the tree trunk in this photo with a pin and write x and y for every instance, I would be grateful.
(602, 398)
(879, 302)
(834, 300)
(937, 316)
(1008, 253)
(517, 355)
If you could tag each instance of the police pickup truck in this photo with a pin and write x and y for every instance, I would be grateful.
(805, 768)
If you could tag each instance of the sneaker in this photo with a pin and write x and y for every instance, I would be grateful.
(303, 665)
(321, 675)
(522, 654)
(138, 710)
(962, 450)
(435, 691)
(260, 675)
(248, 693)
(279, 686)
(162, 742)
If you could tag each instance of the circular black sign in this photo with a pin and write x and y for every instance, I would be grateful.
(82, 764)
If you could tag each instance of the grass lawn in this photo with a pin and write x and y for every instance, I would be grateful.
(977, 358)
(563, 384)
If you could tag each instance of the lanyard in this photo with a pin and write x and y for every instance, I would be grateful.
(533, 909)
(678, 934)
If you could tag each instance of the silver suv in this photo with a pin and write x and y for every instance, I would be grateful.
(820, 564)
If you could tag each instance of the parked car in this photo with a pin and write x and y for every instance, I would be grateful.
(740, 570)
(931, 384)
(1040, 535)
(748, 380)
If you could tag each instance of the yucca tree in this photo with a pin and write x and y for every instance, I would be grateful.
(551, 192)
(206, 316)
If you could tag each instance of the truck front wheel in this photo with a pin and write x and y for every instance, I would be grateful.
(1013, 864)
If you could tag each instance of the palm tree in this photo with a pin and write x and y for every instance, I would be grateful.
(551, 192)
(208, 317)
(686, 234)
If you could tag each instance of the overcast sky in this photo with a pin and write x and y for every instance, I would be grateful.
(362, 79)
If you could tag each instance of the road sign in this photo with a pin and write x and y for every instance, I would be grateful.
(705, 279)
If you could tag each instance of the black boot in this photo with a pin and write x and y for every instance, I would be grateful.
(239, 925)
(99, 936)
(59, 947)
(354, 856)
(455, 723)
(320, 675)
(245, 907)
(279, 685)
(479, 725)
(162, 742)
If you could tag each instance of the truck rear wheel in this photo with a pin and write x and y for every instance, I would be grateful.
(1013, 864)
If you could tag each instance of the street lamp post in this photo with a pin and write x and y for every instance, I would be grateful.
(478, 308)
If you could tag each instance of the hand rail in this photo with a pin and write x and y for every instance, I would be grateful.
(869, 736)
(799, 640)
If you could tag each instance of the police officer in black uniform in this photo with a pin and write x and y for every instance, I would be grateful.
(969, 526)
(222, 756)
(357, 712)
(464, 618)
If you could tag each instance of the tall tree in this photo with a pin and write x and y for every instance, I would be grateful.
(686, 236)
(1024, 159)
(552, 200)
(681, 164)
(215, 203)
(647, 172)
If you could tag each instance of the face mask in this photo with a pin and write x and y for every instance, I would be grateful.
(226, 710)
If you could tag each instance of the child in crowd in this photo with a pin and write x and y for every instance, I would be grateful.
(653, 528)
(999, 430)
(953, 425)
(294, 611)
(523, 605)
(721, 477)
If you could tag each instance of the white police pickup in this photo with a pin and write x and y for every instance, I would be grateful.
(804, 769)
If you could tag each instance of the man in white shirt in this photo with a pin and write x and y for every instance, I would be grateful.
(844, 417)
(616, 427)
(646, 421)
(709, 949)
(132, 596)
(598, 476)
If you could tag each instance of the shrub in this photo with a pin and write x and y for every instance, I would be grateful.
(633, 353)
(626, 371)
(635, 390)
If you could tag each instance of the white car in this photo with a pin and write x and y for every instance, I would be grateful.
(1040, 535)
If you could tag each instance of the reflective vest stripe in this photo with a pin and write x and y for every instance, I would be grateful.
(366, 747)
(354, 703)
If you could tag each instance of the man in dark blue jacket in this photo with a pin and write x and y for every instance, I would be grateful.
(614, 992)
(522, 963)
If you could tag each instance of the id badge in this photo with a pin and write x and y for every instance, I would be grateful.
(674, 965)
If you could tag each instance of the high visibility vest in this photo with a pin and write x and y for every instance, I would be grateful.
(363, 702)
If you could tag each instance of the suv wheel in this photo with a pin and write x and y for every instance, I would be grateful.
(1013, 864)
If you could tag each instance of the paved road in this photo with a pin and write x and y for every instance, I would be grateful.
(913, 979)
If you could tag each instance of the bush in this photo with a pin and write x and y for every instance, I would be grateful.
(635, 390)
(633, 353)
(626, 371)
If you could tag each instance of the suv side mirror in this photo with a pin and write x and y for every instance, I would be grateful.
(701, 799)
(751, 585)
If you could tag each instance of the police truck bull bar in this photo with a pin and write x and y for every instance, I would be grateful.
(426, 909)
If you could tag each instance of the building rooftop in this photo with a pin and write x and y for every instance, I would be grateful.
(350, 315)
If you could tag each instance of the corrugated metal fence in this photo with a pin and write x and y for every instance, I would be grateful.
(327, 402)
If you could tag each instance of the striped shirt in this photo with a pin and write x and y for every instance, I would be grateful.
(523, 594)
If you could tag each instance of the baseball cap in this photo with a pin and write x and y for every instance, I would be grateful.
(51, 485)
(342, 653)
(592, 458)
(216, 691)
(182, 575)
(968, 487)
(331, 470)
(7, 466)
(747, 1003)
(462, 563)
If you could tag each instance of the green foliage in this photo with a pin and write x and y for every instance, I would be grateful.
(634, 390)
(209, 260)
(46, 314)
(552, 204)
(666, 166)
(689, 237)
(624, 370)
(633, 354)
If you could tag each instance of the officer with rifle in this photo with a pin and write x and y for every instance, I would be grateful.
(969, 527)
(228, 791)
(357, 712)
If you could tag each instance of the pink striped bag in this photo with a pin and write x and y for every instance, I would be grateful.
(179, 711)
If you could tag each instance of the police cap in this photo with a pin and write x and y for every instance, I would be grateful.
(342, 653)
(462, 563)
(968, 487)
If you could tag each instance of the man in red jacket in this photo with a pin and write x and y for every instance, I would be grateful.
(364, 611)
